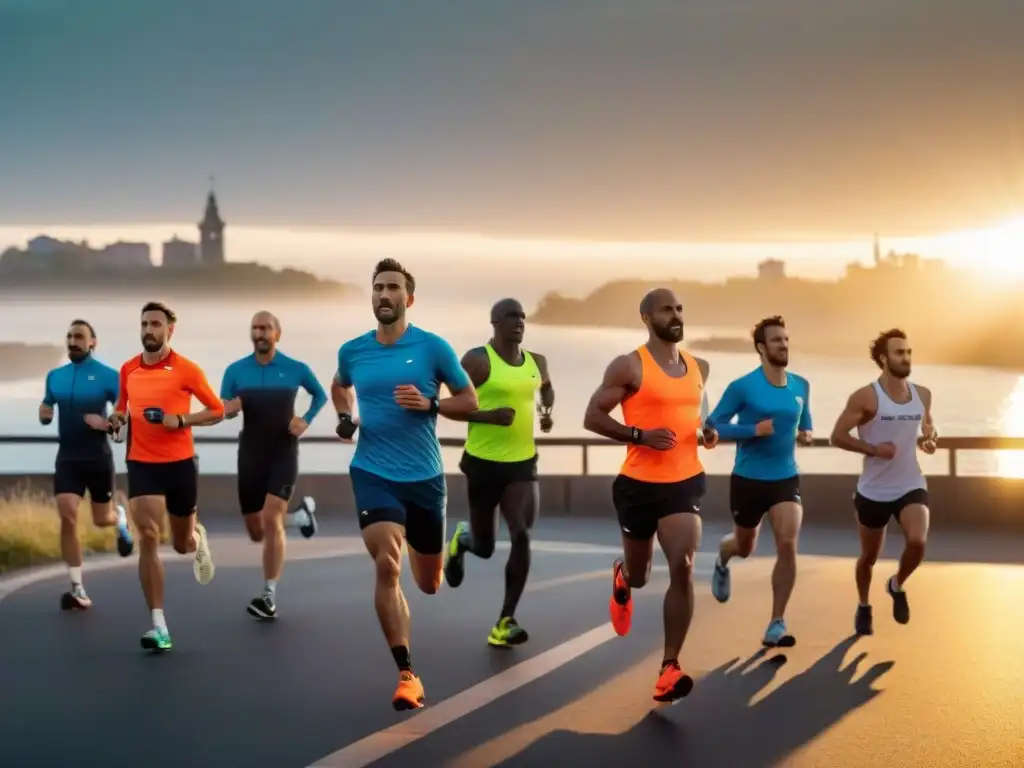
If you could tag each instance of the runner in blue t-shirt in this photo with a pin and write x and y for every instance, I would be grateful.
(397, 475)
(772, 412)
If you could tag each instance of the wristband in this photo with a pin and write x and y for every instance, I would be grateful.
(435, 405)
(637, 435)
(181, 421)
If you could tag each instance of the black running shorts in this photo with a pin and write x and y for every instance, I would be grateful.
(77, 476)
(262, 475)
(750, 500)
(641, 505)
(876, 514)
(486, 480)
(176, 481)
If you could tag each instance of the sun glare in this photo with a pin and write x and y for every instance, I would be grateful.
(997, 252)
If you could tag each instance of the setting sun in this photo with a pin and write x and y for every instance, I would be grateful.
(997, 252)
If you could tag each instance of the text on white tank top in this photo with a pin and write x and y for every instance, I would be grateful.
(899, 424)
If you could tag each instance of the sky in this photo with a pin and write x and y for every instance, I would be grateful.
(608, 120)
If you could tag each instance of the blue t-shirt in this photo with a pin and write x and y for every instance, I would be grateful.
(268, 397)
(78, 389)
(751, 399)
(392, 442)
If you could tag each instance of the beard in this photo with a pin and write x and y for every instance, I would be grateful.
(387, 314)
(672, 331)
(779, 360)
(150, 344)
(76, 355)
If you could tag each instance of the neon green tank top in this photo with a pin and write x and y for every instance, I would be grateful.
(507, 386)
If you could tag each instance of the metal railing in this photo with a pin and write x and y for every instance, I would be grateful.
(949, 444)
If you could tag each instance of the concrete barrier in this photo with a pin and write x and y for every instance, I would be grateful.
(967, 503)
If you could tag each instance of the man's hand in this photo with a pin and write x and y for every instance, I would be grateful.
(503, 417)
(410, 398)
(232, 407)
(765, 428)
(710, 435)
(346, 427)
(546, 422)
(885, 450)
(805, 438)
(45, 414)
(172, 421)
(97, 422)
(658, 439)
(297, 426)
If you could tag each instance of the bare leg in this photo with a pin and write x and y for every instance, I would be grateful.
(679, 536)
(786, 519)
(519, 506)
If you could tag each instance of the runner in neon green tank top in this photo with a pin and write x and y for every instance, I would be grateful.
(500, 460)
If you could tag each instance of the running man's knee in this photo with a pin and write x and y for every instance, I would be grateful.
(103, 515)
(867, 558)
(918, 542)
(680, 568)
(183, 544)
(254, 527)
(786, 548)
(746, 541)
(67, 508)
(483, 548)
(520, 539)
(429, 583)
(388, 567)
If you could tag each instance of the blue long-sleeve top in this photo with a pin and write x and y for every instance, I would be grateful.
(268, 391)
(77, 389)
(751, 399)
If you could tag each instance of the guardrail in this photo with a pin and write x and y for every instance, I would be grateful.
(949, 444)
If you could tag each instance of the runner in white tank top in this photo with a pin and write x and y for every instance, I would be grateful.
(892, 418)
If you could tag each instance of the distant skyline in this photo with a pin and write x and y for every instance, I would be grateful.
(579, 120)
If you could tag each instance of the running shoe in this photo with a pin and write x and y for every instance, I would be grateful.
(203, 567)
(673, 684)
(409, 694)
(455, 560)
(263, 607)
(75, 600)
(157, 640)
(900, 606)
(125, 542)
(620, 606)
(775, 636)
(507, 633)
(309, 528)
(721, 581)
(863, 622)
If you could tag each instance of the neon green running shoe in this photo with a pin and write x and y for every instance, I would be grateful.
(507, 633)
(455, 559)
(157, 640)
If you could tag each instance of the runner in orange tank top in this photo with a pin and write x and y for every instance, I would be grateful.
(660, 486)
(155, 400)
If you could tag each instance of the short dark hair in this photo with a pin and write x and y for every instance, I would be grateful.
(392, 265)
(157, 306)
(880, 346)
(86, 323)
(758, 334)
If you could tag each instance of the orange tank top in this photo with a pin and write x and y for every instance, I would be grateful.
(664, 402)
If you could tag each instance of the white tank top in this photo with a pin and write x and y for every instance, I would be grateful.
(889, 479)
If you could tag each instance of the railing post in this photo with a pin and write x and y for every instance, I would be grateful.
(952, 461)
(586, 460)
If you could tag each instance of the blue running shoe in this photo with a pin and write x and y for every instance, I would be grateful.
(775, 636)
(721, 583)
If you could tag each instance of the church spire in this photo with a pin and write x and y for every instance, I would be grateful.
(211, 231)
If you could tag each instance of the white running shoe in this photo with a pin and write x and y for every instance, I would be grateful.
(203, 567)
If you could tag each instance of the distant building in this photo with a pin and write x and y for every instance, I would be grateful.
(122, 254)
(211, 234)
(178, 254)
(44, 245)
(771, 269)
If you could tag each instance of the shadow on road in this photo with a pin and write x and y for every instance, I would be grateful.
(716, 726)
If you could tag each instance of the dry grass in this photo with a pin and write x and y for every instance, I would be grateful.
(30, 531)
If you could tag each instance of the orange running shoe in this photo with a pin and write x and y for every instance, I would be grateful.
(409, 694)
(620, 606)
(673, 683)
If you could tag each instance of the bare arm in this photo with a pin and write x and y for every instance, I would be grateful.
(547, 390)
(619, 381)
(705, 372)
(928, 431)
(859, 410)
(343, 397)
(478, 366)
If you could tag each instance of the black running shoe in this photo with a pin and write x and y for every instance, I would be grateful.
(863, 623)
(309, 506)
(75, 600)
(263, 607)
(900, 606)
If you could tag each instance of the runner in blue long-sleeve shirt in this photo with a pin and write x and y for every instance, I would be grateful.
(771, 409)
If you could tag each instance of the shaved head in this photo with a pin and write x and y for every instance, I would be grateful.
(662, 313)
(265, 330)
(509, 320)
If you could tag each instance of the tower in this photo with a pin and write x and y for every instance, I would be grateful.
(211, 233)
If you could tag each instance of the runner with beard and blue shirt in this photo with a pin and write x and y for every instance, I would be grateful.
(396, 372)
(81, 391)
(771, 408)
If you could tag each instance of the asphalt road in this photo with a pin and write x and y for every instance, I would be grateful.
(314, 687)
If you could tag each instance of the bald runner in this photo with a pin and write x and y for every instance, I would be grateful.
(262, 387)
(661, 484)
(500, 459)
